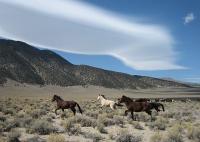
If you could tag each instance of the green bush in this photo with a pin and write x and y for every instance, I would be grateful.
(94, 136)
(42, 127)
(156, 138)
(101, 128)
(175, 134)
(160, 124)
(193, 133)
(128, 138)
(138, 126)
(13, 136)
(85, 121)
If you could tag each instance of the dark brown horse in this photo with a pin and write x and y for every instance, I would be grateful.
(142, 100)
(156, 106)
(133, 106)
(152, 105)
(61, 104)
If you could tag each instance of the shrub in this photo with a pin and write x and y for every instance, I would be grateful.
(159, 124)
(193, 133)
(2, 118)
(128, 138)
(174, 134)
(70, 127)
(143, 117)
(26, 121)
(105, 121)
(47, 118)
(2, 126)
(85, 121)
(11, 124)
(118, 120)
(37, 113)
(75, 130)
(34, 139)
(156, 138)
(13, 136)
(100, 128)
(92, 114)
(137, 125)
(9, 111)
(94, 136)
(42, 127)
(56, 138)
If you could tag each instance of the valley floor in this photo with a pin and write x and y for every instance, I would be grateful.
(27, 114)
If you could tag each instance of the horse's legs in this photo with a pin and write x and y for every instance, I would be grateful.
(112, 106)
(56, 110)
(74, 110)
(132, 115)
(126, 112)
(150, 113)
(157, 109)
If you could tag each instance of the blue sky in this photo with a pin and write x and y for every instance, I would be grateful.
(169, 13)
(155, 38)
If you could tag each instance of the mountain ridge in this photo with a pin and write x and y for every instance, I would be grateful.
(24, 63)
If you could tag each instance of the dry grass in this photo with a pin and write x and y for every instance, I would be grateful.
(56, 138)
(36, 120)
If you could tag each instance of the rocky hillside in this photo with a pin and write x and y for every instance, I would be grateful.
(26, 64)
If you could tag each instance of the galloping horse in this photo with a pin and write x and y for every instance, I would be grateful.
(138, 106)
(142, 100)
(61, 104)
(106, 102)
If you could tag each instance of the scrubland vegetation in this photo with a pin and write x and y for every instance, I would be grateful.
(26, 119)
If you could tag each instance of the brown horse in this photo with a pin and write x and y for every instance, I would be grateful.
(61, 104)
(133, 106)
(142, 100)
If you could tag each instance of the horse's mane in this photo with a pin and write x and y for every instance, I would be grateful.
(58, 97)
(127, 98)
(103, 96)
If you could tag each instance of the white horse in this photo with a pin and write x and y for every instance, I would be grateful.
(105, 102)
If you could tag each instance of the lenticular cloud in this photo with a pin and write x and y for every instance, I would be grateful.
(78, 27)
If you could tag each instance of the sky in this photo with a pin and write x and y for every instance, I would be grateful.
(140, 37)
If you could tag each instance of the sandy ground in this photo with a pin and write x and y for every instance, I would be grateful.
(80, 93)
(86, 97)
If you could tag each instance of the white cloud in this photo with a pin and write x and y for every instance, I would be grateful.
(77, 27)
(192, 79)
(189, 18)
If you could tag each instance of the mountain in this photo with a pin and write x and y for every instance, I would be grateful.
(26, 64)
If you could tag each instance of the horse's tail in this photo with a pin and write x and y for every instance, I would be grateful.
(79, 108)
(162, 107)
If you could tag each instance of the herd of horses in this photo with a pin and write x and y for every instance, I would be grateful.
(138, 105)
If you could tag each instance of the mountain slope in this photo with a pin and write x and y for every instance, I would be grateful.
(26, 64)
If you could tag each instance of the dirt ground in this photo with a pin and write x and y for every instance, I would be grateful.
(27, 114)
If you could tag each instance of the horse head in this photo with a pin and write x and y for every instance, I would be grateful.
(98, 97)
(56, 97)
(124, 99)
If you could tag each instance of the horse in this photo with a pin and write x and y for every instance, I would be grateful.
(156, 106)
(133, 106)
(61, 104)
(142, 100)
(106, 102)
(152, 105)
(167, 100)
